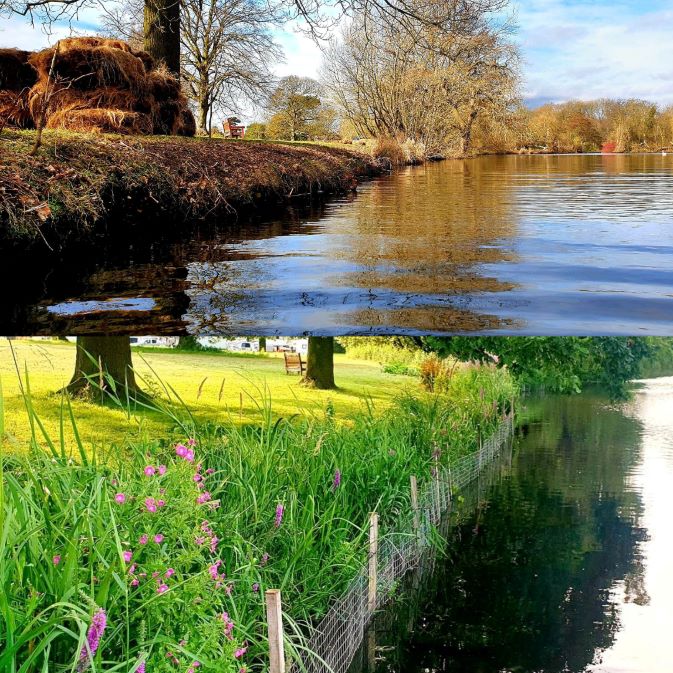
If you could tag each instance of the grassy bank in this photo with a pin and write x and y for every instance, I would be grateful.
(82, 186)
(215, 387)
(173, 552)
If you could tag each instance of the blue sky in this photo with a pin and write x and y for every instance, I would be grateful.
(571, 49)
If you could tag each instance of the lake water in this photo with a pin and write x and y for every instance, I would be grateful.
(525, 245)
(566, 565)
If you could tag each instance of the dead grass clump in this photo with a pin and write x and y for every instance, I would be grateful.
(15, 71)
(91, 68)
(101, 120)
(389, 149)
(107, 78)
(16, 78)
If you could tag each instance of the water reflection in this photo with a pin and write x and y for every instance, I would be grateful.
(567, 564)
(542, 245)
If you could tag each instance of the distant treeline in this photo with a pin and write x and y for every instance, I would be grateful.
(582, 126)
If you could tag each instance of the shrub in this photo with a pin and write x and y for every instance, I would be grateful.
(390, 149)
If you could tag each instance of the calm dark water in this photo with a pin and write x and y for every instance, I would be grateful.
(538, 245)
(566, 565)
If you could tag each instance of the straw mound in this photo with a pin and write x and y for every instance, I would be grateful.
(15, 71)
(16, 78)
(101, 120)
(100, 85)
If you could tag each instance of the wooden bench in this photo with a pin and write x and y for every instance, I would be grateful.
(294, 364)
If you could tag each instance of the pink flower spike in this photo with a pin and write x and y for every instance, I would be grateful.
(162, 469)
(127, 556)
(158, 538)
(120, 498)
(197, 477)
(150, 504)
(134, 582)
(161, 503)
(132, 569)
(56, 560)
(189, 456)
(240, 652)
(181, 450)
(162, 588)
(149, 471)
(170, 572)
(143, 539)
(210, 471)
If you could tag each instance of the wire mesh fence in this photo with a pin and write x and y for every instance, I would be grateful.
(334, 642)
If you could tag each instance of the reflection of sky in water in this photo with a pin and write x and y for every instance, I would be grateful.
(643, 643)
(528, 244)
(532, 245)
(116, 304)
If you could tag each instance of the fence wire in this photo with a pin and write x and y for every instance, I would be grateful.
(334, 642)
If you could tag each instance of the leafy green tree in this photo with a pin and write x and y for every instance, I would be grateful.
(560, 364)
(294, 104)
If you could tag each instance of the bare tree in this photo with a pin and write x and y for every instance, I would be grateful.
(428, 85)
(227, 49)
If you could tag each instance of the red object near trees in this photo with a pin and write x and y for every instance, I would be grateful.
(609, 148)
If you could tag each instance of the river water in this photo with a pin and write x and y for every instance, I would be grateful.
(531, 244)
(566, 565)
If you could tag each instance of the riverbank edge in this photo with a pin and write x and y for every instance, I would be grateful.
(81, 187)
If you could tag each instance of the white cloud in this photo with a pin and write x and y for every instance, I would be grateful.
(581, 50)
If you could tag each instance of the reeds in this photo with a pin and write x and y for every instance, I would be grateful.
(178, 537)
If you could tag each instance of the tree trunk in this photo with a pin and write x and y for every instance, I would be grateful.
(466, 139)
(203, 116)
(100, 358)
(320, 363)
(162, 32)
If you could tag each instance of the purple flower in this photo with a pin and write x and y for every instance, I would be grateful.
(255, 587)
(191, 442)
(143, 539)
(127, 556)
(134, 582)
(337, 480)
(162, 588)
(93, 636)
(181, 450)
(150, 504)
(279, 515)
(265, 559)
(141, 667)
(149, 471)
(204, 497)
(120, 498)
(161, 503)
(189, 456)
(158, 538)
(56, 560)
(240, 652)
(162, 469)
(170, 572)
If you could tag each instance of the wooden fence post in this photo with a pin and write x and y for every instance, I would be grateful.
(274, 617)
(414, 504)
(373, 560)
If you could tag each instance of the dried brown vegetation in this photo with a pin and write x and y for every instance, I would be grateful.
(83, 185)
(96, 84)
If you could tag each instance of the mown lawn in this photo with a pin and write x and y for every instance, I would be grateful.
(213, 386)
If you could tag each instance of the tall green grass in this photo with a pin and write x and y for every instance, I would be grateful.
(63, 533)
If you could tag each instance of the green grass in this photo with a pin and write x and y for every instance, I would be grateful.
(216, 387)
(53, 507)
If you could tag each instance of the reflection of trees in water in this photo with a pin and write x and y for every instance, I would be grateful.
(529, 588)
(445, 216)
(129, 267)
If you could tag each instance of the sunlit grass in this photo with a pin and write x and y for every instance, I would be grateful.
(214, 386)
